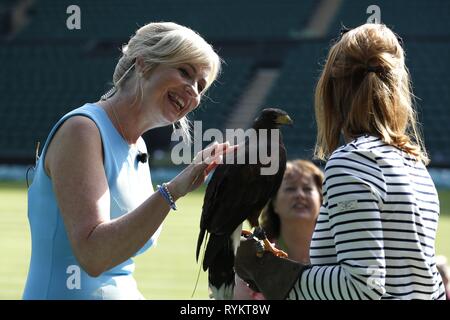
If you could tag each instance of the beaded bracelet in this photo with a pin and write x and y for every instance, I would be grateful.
(166, 195)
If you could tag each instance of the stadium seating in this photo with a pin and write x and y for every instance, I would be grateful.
(40, 87)
(409, 18)
(49, 69)
(222, 19)
(429, 66)
(218, 103)
(294, 92)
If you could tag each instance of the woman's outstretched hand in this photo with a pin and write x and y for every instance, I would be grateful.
(196, 173)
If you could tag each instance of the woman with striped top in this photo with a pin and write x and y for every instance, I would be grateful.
(375, 235)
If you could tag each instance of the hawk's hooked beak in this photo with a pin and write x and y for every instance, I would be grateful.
(284, 120)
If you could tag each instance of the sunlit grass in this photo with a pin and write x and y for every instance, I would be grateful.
(168, 271)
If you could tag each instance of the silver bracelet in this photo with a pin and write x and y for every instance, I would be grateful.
(164, 191)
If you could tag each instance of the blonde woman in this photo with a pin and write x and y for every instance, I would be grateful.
(375, 235)
(91, 205)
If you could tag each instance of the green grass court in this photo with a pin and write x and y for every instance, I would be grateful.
(167, 271)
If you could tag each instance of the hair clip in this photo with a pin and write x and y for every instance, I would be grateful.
(372, 69)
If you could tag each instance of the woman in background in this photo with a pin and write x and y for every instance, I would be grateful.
(290, 217)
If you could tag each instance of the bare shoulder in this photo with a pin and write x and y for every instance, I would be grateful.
(77, 128)
(78, 124)
(78, 135)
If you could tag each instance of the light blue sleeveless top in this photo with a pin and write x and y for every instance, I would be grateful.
(54, 272)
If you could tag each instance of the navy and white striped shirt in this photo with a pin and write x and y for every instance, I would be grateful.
(375, 235)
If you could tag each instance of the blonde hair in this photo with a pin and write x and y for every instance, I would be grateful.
(170, 44)
(269, 219)
(365, 88)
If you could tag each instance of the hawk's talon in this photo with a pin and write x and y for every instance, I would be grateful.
(260, 248)
(246, 234)
(276, 252)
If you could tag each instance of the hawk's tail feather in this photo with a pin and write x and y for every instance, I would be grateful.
(221, 276)
(200, 239)
(225, 292)
(216, 243)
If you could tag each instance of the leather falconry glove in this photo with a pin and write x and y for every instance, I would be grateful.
(273, 276)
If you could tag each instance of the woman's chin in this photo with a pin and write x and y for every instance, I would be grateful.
(171, 117)
(302, 214)
(171, 113)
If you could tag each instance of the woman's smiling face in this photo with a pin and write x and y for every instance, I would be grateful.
(298, 197)
(174, 91)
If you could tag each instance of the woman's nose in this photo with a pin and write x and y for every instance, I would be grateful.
(299, 193)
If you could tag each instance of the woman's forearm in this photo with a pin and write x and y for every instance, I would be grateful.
(113, 242)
